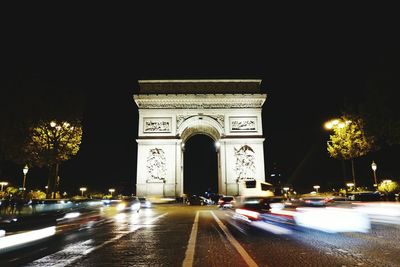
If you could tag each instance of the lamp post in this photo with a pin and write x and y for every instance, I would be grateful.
(316, 187)
(3, 184)
(374, 167)
(350, 185)
(111, 190)
(83, 189)
(25, 171)
(286, 191)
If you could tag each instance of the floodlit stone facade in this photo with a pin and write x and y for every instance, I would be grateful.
(172, 111)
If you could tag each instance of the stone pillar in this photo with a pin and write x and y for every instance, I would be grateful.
(156, 169)
(244, 158)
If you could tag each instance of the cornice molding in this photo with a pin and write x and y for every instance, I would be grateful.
(203, 101)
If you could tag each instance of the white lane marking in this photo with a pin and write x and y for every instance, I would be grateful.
(81, 249)
(189, 254)
(246, 257)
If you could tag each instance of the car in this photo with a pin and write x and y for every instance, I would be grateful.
(214, 197)
(316, 201)
(208, 201)
(144, 203)
(226, 202)
(265, 213)
(128, 203)
(197, 200)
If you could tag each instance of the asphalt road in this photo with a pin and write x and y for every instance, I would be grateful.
(178, 235)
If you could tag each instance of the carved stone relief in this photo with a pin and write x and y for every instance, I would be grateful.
(156, 166)
(172, 105)
(218, 118)
(245, 162)
(180, 119)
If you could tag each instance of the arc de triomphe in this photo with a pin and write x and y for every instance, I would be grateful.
(172, 111)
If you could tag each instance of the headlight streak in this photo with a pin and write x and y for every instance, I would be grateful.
(332, 220)
(71, 215)
(135, 206)
(26, 237)
(382, 212)
(248, 213)
(121, 206)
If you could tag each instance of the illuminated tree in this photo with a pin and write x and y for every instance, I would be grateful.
(52, 142)
(388, 186)
(11, 190)
(348, 140)
(37, 195)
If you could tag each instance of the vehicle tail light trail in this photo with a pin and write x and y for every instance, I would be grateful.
(248, 213)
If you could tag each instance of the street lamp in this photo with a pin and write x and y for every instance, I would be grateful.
(3, 184)
(83, 189)
(286, 191)
(350, 185)
(316, 187)
(111, 190)
(374, 167)
(25, 171)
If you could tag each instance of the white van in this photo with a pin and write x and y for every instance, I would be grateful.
(256, 188)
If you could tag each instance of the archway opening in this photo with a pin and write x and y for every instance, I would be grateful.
(200, 165)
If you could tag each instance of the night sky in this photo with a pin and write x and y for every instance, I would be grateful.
(310, 66)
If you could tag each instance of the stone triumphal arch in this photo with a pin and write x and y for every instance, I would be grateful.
(172, 111)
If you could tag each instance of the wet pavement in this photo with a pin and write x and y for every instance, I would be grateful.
(180, 235)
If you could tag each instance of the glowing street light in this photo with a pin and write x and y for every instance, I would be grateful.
(111, 190)
(3, 184)
(350, 185)
(25, 171)
(374, 167)
(316, 187)
(336, 123)
(83, 189)
(286, 191)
